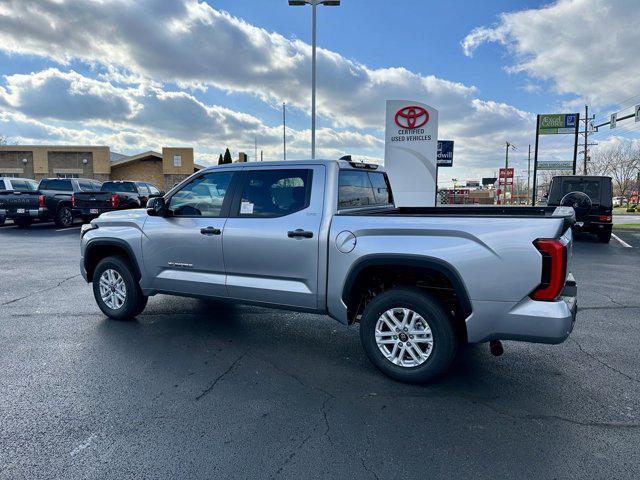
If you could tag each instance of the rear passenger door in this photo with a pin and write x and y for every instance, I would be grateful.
(271, 237)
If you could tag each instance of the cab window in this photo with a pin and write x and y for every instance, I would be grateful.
(358, 188)
(202, 197)
(275, 193)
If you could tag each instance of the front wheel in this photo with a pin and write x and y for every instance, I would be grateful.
(115, 289)
(64, 217)
(408, 335)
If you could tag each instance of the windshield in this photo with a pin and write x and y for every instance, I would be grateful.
(118, 187)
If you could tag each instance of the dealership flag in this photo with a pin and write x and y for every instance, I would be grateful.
(411, 150)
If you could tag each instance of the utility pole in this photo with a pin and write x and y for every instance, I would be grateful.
(529, 172)
(586, 139)
(261, 156)
(284, 131)
(255, 146)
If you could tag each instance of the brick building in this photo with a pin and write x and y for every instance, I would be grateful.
(97, 162)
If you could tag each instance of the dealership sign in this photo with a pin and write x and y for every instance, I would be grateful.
(410, 154)
(557, 123)
(555, 165)
(445, 153)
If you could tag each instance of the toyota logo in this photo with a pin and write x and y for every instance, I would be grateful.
(411, 117)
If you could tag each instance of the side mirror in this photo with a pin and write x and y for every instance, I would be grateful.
(156, 207)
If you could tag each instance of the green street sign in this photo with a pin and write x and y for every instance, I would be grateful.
(557, 123)
(555, 165)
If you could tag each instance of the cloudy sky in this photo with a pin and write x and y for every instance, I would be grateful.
(137, 75)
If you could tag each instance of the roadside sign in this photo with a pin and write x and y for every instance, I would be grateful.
(488, 181)
(637, 113)
(445, 153)
(506, 173)
(613, 121)
(557, 123)
(555, 165)
(473, 183)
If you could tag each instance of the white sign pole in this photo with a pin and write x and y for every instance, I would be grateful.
(411, 152)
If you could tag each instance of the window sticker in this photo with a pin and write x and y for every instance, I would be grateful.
(246, 208)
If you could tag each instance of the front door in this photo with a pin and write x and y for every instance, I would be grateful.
(271, 236)
(183, 250)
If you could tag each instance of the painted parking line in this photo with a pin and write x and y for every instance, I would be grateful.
(622, 242)
(68, 229)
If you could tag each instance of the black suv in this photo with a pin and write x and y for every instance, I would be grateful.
(590, 197)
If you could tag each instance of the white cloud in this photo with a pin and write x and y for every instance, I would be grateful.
(144, 45)
(584, 47)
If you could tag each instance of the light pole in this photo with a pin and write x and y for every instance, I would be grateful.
(314, 4)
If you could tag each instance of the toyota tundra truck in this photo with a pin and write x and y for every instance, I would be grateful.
(326, 237)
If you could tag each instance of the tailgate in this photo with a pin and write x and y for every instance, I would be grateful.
(92, 200)
(18, 201)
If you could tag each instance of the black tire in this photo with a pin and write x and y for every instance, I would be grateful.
(64, 217)
(135, 300)
(604, 237)
(23, 222)
(445, 341)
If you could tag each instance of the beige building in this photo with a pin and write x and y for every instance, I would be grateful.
(97, 162)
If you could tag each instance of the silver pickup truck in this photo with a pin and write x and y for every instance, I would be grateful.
(326, 237)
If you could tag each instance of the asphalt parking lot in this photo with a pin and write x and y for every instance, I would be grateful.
(198, 389)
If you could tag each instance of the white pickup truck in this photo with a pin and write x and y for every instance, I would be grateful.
(326, 237)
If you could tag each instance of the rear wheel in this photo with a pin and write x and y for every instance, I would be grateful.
(408, 335)
(64, 217)
(116, 290)
(604, 237)
(23, 222)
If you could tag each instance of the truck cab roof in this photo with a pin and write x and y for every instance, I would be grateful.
(342, 164)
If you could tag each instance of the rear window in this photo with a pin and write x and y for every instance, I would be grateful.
(2, 187)
(56, 184)
(590, 187)
(362, 189)
(118, 187)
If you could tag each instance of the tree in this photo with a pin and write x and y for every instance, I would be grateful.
(220, 160)
(621, 162)
(3, 140)
(227, 156)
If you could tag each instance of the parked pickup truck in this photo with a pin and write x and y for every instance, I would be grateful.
(11, 191)
(115, 195)
(326, 237)
(51, 201)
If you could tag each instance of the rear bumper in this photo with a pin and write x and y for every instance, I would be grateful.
(28, 213)
(527, 321)
(594, 227)
(86, 211)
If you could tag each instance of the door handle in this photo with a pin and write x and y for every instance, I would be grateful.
(210, 231)
(299, 233)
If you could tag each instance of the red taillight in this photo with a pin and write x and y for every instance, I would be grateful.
(604, 218)
(41, 201)
(554, 269)
(115, 200)
(73, 201)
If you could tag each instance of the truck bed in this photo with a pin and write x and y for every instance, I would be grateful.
(566, 213)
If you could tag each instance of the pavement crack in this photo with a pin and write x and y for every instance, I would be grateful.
(604, 364)
(220, 377)
(40, 291)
